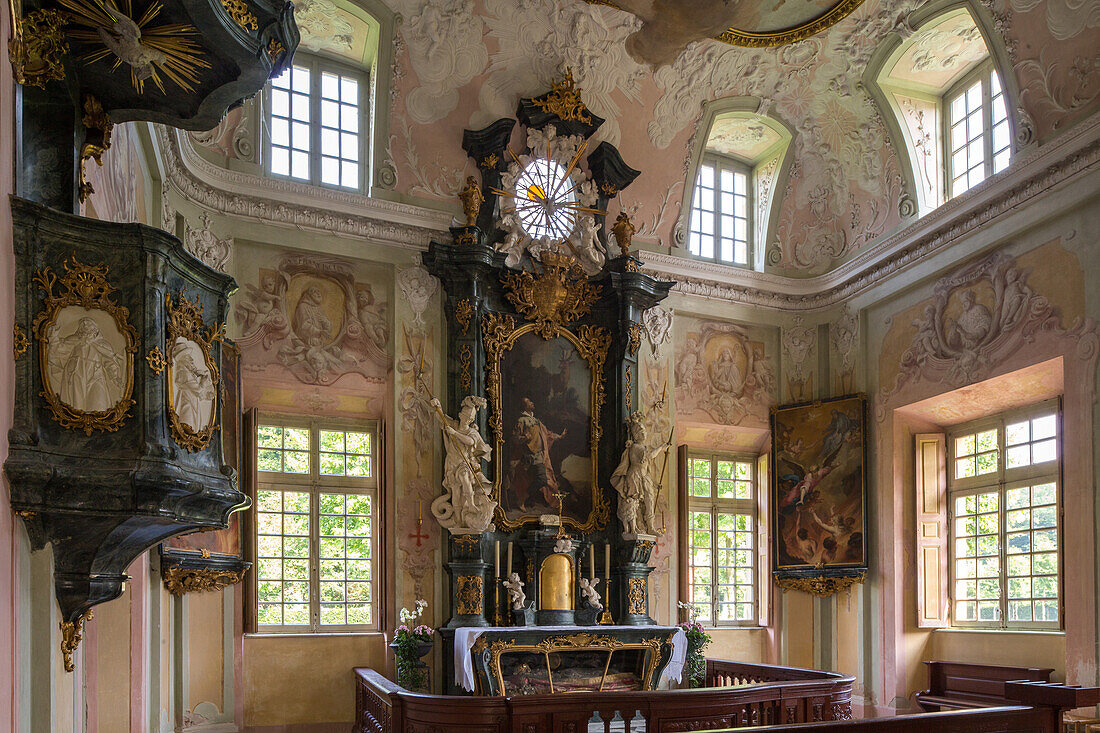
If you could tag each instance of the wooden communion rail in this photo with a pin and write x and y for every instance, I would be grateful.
(775, 698)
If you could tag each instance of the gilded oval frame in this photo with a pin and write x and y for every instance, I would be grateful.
(592, 344)
(185, 322)
(83, 286)
(769, 39)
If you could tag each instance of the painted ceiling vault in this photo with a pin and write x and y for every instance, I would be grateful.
(465, 63)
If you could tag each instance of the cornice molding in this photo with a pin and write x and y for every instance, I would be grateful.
(286, 203)
(1074, 155)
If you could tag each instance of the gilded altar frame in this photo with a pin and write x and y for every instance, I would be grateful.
(574, 642)
(500, 334)
(83, 286)
(185, 322)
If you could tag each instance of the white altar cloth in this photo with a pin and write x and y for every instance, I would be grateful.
(465, 637)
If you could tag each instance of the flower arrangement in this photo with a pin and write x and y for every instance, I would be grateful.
(410, 642)
(695, 666)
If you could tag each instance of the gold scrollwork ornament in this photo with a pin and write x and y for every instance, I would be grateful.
(238, 11)
(83, 287)
(464, 312)
(185, 324)
(179, 580)
(821, 586)
(71, 634)
(156, 360)
(470, 595)
(564, 100)
(19, 342)
(37, 45)
(97, 141)
(557, 294)
(635, 599)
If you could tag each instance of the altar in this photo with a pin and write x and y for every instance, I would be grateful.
(512, 661)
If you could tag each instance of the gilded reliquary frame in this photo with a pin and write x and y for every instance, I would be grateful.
(589, 343)
(192, 373)
(86, 347)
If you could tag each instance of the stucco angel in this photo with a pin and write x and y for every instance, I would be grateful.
(635, 482)
(515, 592)
(590, 594)
(467, 503)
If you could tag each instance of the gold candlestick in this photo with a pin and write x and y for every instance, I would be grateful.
(605, 617)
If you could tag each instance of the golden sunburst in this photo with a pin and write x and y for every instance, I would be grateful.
(171, 50)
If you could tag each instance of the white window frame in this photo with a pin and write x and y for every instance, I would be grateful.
(1002, 480)
(713, 505)
(983, 71)
(315, 484)
(720, 163)
(317, 65)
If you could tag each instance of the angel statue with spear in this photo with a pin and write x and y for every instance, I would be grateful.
(634, 480)
(466, 506)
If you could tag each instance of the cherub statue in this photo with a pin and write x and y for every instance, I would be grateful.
(515, 592)
(563, 545)
(624, 230)
(588, 590)
(472, 198)
(635, 482)
(467, 502)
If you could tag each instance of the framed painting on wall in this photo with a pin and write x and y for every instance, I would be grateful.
(818, 493)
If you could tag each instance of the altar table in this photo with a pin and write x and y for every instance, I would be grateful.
(603, 637)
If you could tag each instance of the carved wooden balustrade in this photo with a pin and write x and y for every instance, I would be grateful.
(740, 694)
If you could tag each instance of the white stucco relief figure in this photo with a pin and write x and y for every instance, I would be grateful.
(313, 317)
(86, 370)
(515, 592)
(977, 318)
(418, 286)
(466, 506)
(799, 343)
(590, 593)
(636, 481)
(446, 50)
(193, 392)
(658, 326)
(206, 245)
(720, 372)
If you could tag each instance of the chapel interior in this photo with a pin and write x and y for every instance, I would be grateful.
(549, 365)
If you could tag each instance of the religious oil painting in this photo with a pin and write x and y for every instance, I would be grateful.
(546, 392)
(86, 365)
(819, 455)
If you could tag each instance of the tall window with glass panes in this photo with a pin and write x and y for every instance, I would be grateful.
(977, 131)
(721, 212)
(315, 119)
(1004, 494)
(316, 526)
(721, 539)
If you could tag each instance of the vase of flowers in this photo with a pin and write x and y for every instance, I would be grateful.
(695, 665)
(411, 641)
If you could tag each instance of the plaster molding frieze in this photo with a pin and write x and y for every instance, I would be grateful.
(289, 203)
(1056, 164)
(284, 203)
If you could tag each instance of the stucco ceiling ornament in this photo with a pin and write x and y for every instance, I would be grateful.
(417, 286)
(582, 243)
(658, 326)
(206, 245)
(447, 51)
(976, 319)
(323, 27)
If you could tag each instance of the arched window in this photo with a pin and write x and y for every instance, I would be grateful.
(319, 115)
(947, 100)
(737, 166)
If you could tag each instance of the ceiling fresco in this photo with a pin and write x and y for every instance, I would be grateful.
(465, 63)
(745, 137)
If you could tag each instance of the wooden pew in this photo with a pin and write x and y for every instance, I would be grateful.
(960, 685)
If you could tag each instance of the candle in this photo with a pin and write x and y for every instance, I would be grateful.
(509, 571)
(496, 557)
(607, 560)
(420, 513)
(592, 561)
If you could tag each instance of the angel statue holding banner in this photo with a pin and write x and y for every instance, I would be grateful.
(466, 506)
(635, 482)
